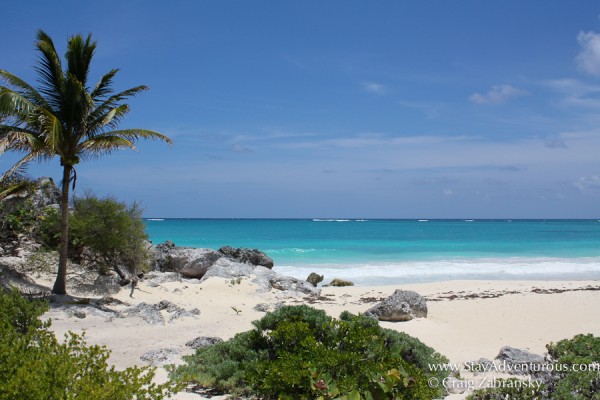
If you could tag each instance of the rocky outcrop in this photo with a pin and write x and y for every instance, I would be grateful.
(520, 362)
(247, 256)
(228, 263)
(147, 312)
(151, 313)
(402, 305)
(281, 282)
(263, 277)
(41, 193)
(189, 262)
(45, 194)
(203, 341)
(161, 356)
(314, 279)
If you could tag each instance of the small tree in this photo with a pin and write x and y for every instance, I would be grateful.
(105, 234)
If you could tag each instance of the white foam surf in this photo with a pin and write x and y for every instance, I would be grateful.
(429, 271)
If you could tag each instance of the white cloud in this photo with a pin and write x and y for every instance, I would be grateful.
(240, 148)
(375, 88)
(588, 185)
(497, 94)
(588, 60)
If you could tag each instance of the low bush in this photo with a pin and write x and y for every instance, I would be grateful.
(573, 375)
(298, 352)
(103, 233)
(35, 365)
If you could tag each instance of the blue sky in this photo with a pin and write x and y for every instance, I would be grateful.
(389, 109)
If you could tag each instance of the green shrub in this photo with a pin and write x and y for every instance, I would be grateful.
(563, 381)
(34, 365)
(104, 233)
(298, 352)
(569, 383)
(17, 220)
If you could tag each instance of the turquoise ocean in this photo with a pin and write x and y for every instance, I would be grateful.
(380, 252)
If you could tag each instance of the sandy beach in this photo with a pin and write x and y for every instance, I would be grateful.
(467, 320)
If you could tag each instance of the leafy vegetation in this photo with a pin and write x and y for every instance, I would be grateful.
(298, 352)
(105, 234)
(67, 118)
(16, 221)
(573, 375)
(18, 217)
(35, 365)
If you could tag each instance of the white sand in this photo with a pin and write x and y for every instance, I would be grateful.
(462, 329)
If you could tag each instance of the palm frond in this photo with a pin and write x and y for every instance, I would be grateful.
(18, 140)
(50, 71)
(18, 167)
(110, 120)
(76, 106)
(14, 188)
(97, 116)
(104, 86)
(136, 134)
(52, 128)
(79, 55)
(13, 104)
(103, 144)
(23, 88)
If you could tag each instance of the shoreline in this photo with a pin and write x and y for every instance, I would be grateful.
(467, 320)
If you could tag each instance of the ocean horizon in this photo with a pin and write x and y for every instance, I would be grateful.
(395, 251)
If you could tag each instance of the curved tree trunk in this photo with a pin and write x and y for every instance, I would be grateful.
(60, 283)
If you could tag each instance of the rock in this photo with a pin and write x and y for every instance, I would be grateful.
(45, 194)
(107, 301)
(179, 314)
(189, 262)
(340, 283)
(79, 314)
(402, 305)
(148, 313)
(203, 341)
(314, 278)
(519, 361)
(169, 306)
(160, 357)
(282, 282)
(225, 268)
(262, 307)
(265, 278)
(248, 256)
(167, 245)
(157, 278)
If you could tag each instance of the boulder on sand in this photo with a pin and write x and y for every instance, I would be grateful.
(247, 256)
(314, 278)
(402, 305)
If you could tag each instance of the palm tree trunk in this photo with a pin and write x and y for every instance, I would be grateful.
(60, 283)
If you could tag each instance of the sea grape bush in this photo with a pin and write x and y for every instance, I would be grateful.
(298, 352)
(563, 382)
(104, 233)
(35, 365)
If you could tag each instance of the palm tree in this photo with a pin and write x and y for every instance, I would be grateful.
(65, 119)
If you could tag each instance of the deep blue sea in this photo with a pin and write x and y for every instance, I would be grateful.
(380, 252)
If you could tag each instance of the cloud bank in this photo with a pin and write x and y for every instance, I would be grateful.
(497, 94)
